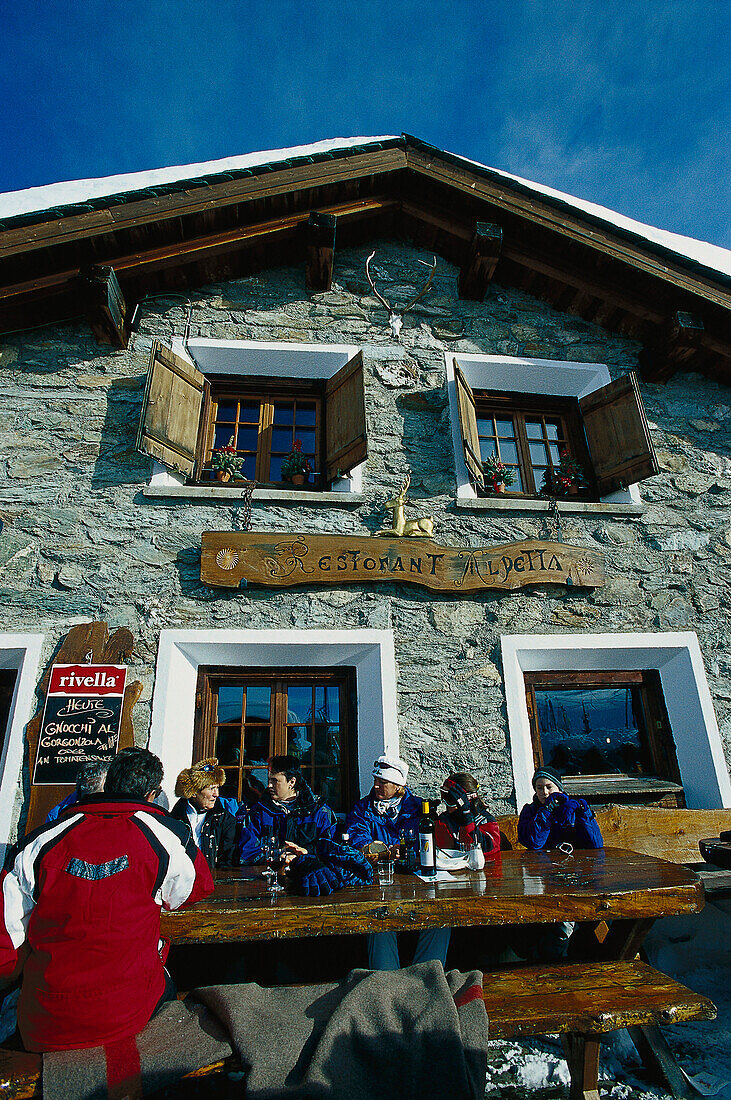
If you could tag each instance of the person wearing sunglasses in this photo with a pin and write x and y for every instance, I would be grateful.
(214, 828)
(466, 820)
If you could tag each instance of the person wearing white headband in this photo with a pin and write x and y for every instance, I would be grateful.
(387, 812)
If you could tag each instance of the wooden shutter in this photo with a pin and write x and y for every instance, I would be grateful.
(617, 433)
(171, 410)
(468, 427)
(346, 443)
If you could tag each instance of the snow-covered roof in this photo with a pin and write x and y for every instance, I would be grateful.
(56, 195)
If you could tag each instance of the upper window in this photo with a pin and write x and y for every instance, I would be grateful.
(607, 732)
(8, 676)
(559, 426)
(244, 718)
(187, 415)
(528, 435)
(264, 426)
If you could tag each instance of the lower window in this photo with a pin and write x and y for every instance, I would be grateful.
(8, 676)
(244, 717)
(607, 732)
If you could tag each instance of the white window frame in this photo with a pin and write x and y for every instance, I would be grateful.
(545, 377)
(677, 658)
(21, 652)
(182, 652)
(273, 360)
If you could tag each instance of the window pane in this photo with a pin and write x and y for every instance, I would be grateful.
(534, 429)
(539, 473)
(484, 427)
(228, 746)
(248, 468)
(247, 438)
(508, 453)
(326, 783)
(256, 745)
(283, 412)
(226, 410)
(299, 703)
(592, 731)
(537, 454)
(487, 448)
(307, 439)
(299, 743)
(230, 701)
(282, 440)
(258, 703)
(517, 487)
(306, 416)
(249, 412)
(275, 468)
(327, 703)
(552, 431)
(222, 435)
(555, 453)
(505, 428)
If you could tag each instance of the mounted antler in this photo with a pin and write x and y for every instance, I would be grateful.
(395, 319)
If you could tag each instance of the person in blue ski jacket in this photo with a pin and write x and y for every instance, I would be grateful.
(388, 811)
(90, 780)
(552, 818)
(290, 810)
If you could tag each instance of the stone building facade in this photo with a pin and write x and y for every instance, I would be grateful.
(81, 540)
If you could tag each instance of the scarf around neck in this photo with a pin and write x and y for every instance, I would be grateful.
(388, 807)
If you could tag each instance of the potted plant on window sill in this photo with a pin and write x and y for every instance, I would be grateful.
(498, 476)
(225, 463)
(564, 480)
(296, 467)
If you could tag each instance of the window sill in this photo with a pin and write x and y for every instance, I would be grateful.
(565, 506)
(599, 786)
(268, 496)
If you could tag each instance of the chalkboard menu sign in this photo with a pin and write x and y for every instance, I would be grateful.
(80, 720)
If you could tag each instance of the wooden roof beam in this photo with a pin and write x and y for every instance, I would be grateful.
(479, 267)
(320, 251)
(674, 349)
(104, 305)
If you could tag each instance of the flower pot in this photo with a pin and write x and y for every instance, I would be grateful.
(223, 475)
(299, 479)
(500, 487)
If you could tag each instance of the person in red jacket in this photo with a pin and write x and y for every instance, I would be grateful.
(466, 819)
(80, 909)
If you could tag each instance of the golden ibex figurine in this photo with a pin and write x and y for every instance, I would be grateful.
(403, 527)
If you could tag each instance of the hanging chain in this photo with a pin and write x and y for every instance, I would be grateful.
(243, 513)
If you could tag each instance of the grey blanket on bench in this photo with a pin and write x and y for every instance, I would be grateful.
(416, 1033)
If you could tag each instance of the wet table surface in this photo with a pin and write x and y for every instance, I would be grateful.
(519, 887)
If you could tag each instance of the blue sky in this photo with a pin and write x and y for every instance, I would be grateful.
(626, 105)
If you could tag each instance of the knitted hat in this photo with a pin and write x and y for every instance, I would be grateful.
(392, 769)
(206, 773)
(547, 773)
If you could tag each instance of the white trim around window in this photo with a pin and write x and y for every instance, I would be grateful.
(23, 653)
(678, 659)
(548, 377)
(182, 652)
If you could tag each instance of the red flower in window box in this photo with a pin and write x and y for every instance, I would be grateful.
(295, 465)
(565, 479)
(226, 463)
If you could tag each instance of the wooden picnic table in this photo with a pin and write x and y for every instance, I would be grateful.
(628, 889)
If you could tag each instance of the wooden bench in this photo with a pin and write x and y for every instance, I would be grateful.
(666, 834)
(579, 1002)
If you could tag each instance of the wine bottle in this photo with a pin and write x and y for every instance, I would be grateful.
(427, 861)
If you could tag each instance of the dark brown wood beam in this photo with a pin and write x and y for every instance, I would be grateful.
(674, 349)
(320, 251)
(104, 305)
(479, 267)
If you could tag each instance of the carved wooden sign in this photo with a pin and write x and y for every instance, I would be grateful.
(281, 560)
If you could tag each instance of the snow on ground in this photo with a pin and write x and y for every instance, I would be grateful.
(695, 951)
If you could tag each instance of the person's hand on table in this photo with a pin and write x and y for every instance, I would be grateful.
(290, 852)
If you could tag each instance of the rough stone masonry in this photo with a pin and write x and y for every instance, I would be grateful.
(80, 541)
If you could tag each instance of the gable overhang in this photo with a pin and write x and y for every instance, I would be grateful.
(191, 232)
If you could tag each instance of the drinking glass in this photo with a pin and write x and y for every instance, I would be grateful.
(274, 859)
(385, 871)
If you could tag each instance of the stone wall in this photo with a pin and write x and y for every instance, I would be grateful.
(80, 540)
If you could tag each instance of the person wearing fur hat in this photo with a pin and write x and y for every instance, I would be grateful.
(389, 810)
(289, 810)
(552, 818)
(214, 829)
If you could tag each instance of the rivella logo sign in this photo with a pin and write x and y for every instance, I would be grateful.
(87, 680)
(81, 720)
